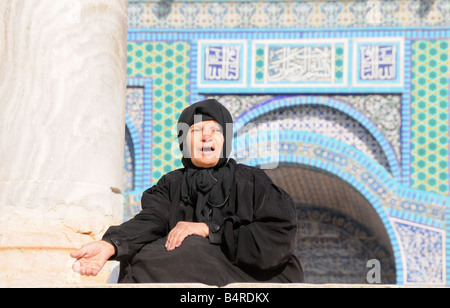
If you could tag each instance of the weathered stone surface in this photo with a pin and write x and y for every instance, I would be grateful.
(62, 115)
(250, 286)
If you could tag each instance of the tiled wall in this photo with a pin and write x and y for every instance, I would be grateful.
(384, 82)
(238, 14)
(430, 115)
(166, 64)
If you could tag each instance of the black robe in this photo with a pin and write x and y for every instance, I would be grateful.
(252, 241)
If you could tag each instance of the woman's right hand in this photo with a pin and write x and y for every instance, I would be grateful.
(92, 257)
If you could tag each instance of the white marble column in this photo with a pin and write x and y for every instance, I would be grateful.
(62, 120)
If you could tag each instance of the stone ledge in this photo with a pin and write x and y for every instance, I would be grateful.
(247, 285)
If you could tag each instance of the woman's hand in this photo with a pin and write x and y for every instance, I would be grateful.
(184, 229)
(92, 257)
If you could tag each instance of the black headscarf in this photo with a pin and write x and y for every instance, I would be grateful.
(207, 189)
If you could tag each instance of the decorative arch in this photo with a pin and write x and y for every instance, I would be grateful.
(298, 101)
(129, 163)
(364, 174)
(138, 157)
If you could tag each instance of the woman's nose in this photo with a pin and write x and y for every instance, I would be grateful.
(207, 134)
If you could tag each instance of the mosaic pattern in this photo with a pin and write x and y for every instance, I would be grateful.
(287, 14)
(430, 116)
(424, 248)
(167, 65)
(138, 122)
(135, 109)
(335, 249)
(129, 167)
(238, 104)
(297, 101)
(382, 110)
(409, 122)
(329, 123)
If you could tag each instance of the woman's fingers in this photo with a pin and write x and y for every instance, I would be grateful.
(85, 268)
(90, 258)
(180, 239)
(182, 230)
(178, 234)
(91, 272)
(173, 235)
(173, 238)
(76, 266)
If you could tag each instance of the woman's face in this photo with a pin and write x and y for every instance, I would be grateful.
(205, 142)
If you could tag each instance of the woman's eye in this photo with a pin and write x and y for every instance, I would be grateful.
(206, 130)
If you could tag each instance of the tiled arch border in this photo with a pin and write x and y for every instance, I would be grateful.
(299, 101)
(142, 145)
(137, 157)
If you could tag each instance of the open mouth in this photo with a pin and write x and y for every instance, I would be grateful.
(207, 149)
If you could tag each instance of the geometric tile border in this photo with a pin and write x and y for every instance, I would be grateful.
(430, 115)
(142, 143)
(298, 101)
(313, 14)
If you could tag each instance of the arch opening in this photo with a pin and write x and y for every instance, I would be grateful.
(339, 230)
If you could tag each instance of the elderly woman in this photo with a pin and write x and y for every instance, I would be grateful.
(214, 221)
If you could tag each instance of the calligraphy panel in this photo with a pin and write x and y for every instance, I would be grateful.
(300, 63)
(378, 62)
(331, 65)
(221, 63)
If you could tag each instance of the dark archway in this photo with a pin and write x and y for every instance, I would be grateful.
(339, 230)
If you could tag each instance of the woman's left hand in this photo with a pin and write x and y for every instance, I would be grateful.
(184, 229)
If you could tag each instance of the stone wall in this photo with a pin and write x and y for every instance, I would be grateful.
(62, 115)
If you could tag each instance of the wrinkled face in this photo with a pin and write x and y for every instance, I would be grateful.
(205, 142)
